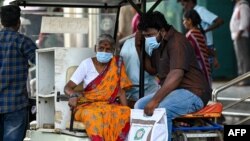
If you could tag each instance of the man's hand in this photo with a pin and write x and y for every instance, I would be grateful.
(150, 107)
(216, 63)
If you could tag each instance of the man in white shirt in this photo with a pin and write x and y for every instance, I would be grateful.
(240, 30)
(210, 21)
(132, 64)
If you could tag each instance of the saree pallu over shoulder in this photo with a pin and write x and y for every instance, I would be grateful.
(103, 119)
(93, 84)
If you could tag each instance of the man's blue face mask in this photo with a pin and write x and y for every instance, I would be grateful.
(104, 57)
(151, 44)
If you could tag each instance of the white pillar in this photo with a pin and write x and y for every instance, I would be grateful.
(93, 26)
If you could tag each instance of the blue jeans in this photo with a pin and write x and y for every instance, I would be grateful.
(178, 102)
(13, 125)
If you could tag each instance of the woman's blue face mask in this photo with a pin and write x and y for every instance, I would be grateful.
(151, 44)
(104, 57)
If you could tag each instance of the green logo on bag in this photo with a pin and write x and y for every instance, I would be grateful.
(139, 134)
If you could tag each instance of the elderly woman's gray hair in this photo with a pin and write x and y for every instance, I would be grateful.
(106, 37)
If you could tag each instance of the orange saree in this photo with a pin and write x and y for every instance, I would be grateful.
(103, 118)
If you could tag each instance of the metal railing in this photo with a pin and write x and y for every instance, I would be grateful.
(229, 84)
(232, 82)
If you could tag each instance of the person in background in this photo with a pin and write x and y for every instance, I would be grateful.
(195, 35)
(16, 51)
(240, 34)
(172, 59)
(136, 18)
(210, 21)
(135, 22)
(104, 79)
(46, 40)
(132, 64)
(125, 18)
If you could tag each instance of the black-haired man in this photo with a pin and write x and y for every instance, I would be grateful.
(184, 88)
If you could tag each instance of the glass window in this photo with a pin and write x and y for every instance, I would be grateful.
(66, 27)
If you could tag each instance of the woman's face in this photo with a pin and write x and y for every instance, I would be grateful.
(187, 23)
(105, 46)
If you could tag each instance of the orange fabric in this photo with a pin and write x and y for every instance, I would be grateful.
(211, 110)
(104, 121)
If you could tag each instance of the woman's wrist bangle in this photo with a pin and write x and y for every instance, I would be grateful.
(74, 95)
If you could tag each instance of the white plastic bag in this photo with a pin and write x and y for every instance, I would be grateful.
(148, 128)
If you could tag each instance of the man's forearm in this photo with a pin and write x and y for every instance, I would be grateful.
(171, 82)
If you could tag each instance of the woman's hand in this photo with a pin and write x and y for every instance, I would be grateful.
(73, 102)
(73, 96)
(73, 99)
(122, 98)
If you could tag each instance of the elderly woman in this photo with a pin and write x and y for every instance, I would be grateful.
(104, 80)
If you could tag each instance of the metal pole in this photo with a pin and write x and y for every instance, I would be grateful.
(142, 55)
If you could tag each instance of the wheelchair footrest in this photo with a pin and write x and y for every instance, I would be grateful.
(201, 135)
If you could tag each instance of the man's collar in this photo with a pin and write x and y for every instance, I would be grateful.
(8, 28)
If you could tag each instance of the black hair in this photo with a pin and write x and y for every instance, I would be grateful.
(195, 18)
(153, 20)
(10, 15)
(194, 1)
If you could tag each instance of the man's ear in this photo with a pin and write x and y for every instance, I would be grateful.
(163, 33)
